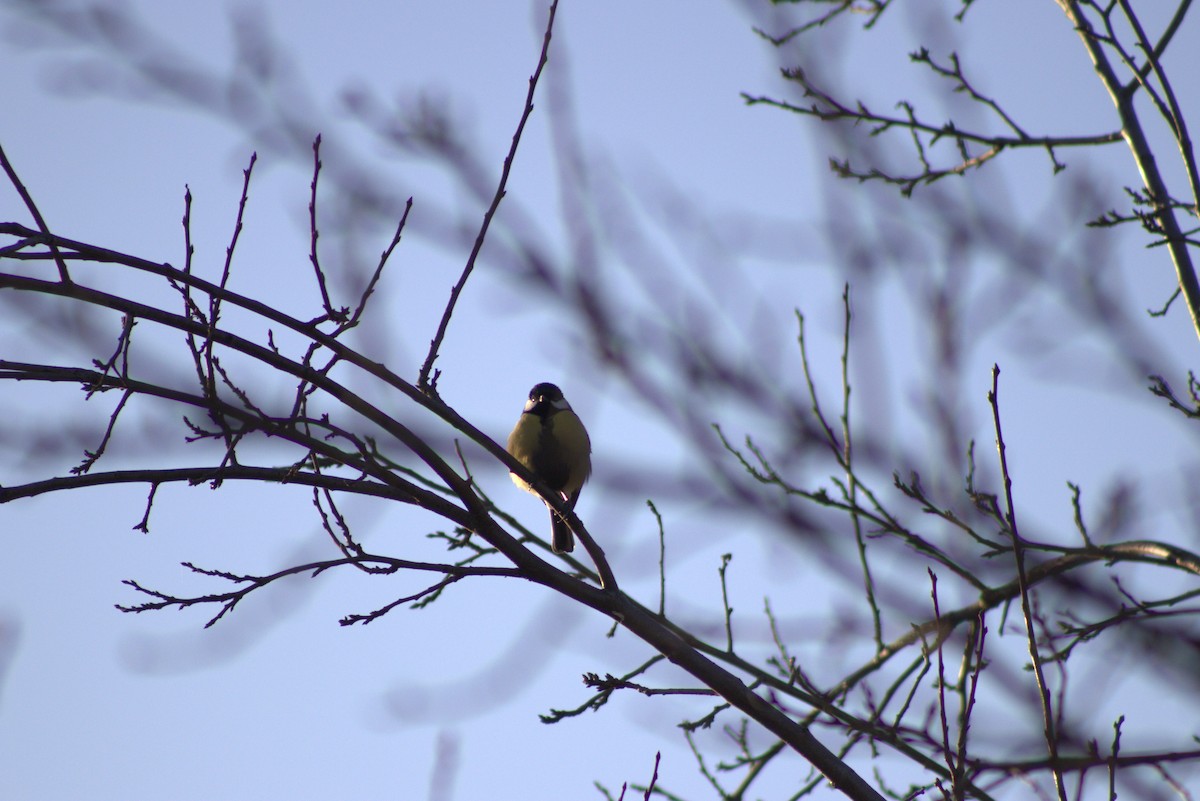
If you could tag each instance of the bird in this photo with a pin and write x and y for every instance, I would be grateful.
(550, 441)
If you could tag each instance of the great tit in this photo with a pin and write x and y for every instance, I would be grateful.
(550, 440)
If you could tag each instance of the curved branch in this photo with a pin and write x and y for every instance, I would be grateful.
(428, 401)
(199, 475)
(838, 111)
(274, 427)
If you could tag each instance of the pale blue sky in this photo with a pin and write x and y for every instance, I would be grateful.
(278, 701)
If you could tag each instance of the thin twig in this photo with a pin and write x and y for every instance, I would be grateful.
(662, 560)
(725, 559)
(851, 478)
(423, 379)
(314, 234)
(1023, 581)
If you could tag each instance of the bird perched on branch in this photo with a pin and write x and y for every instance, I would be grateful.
(550, 440)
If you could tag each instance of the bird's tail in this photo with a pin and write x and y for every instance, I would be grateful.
(561, 538)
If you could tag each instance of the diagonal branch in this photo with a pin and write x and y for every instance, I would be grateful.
(27, 199)
(1143, 156)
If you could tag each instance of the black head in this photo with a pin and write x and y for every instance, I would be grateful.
(545, 400)
(545, 392)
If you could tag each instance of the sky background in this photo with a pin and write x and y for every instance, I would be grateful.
(277, 700)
